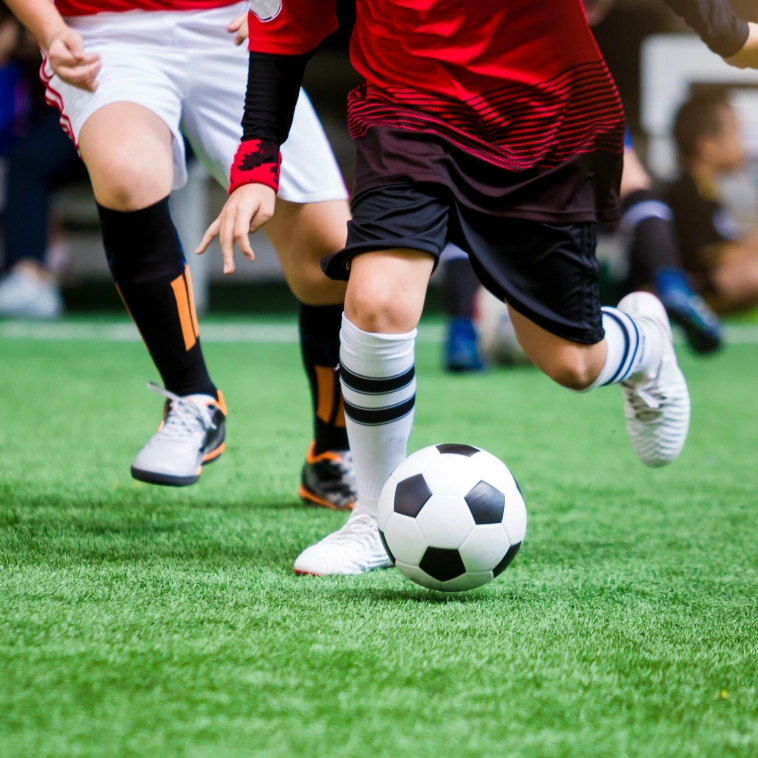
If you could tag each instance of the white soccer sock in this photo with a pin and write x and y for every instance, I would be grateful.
(379, 392)
(632, 347)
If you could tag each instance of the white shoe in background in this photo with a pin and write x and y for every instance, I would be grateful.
(23, 294)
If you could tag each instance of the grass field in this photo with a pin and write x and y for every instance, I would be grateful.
(142, 621)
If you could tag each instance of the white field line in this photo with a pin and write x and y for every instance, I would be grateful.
(273, 333)
(126, 332)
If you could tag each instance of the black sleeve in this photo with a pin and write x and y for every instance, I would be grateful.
(273, 85)
(715, 22)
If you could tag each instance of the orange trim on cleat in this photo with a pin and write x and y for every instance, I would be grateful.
(327, 456)
(214, 453)
(311, 499)
(222, 403)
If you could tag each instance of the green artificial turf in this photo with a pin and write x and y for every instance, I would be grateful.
(143, 621)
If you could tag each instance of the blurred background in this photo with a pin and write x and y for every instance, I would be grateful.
(46, 203)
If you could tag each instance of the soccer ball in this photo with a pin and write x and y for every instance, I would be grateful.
(451, 517)
(497, 338)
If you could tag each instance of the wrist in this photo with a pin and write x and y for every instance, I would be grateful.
(256, 162)
(53, 30)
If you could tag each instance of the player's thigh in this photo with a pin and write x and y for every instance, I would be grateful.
(549, 276)
(128, 152)
(302, 235)
(387, 288)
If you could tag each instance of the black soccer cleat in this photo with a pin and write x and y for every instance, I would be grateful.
(328, 480)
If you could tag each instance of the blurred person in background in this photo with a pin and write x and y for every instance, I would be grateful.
(654, 259)
(460, 352)
(722, 263)
(39, 158)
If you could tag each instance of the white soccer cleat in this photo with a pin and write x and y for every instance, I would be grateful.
(354, 549)
(190, 435)
(657, 406)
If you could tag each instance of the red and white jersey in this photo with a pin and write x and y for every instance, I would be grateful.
(69, 8)
(518, 83)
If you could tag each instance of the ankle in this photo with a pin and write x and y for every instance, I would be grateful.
(366, 506)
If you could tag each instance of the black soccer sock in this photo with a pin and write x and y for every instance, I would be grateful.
(649, 222)
(320, 345)
(460, 286)
(148, 266)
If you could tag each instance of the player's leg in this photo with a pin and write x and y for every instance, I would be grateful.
(309, 223)
(385, 297)
(128, 152)
(460, 351)
(548, 273)
(38, 163)
(655, 259)
(302, 235)
(384, 301)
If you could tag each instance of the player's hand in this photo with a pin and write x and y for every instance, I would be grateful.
(68, 59)
(748, 56)
(248, 208)
(238, 28)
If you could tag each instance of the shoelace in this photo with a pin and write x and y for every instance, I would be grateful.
(647, 406)
(361, 528)
(183, 416)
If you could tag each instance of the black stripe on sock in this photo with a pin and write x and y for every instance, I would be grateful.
(378, 416)
(613, 379)
(636, 346)
(368, 386)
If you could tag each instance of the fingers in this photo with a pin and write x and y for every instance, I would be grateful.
(210, 233)
(245, 211)
(72, 64)
(226, 239)
(238, 27)
(241, 235)
(83, 77)
(76, 45)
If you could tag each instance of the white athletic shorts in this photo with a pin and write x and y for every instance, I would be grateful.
(185, 67)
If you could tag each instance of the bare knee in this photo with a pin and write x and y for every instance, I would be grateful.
(379, 311)
(127, 151)
(573, 369)
(127, 183)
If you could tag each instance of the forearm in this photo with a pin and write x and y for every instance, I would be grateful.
(273, 88)
(40, 17)
(715, 22)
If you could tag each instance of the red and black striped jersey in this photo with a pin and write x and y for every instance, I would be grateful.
(520, 84)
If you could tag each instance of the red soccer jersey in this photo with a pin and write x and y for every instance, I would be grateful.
(518, 83)
(91, 7)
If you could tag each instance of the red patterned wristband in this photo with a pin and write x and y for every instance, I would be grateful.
(257, 162)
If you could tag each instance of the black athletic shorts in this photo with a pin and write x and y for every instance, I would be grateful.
(546, 271)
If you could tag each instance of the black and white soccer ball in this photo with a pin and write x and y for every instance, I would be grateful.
(452, 517)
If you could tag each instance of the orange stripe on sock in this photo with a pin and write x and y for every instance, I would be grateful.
(191, 295)
(183, 306)
(325, 384)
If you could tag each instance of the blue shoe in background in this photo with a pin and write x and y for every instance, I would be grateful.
(461, 348)
(701, 325)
